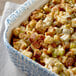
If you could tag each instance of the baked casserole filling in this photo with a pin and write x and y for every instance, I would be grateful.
(48, 37)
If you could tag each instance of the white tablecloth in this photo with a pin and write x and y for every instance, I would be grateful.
(7, 68)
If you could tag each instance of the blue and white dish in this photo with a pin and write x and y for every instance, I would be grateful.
(27, 65)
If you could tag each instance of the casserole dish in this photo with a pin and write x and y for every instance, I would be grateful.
(22, 62)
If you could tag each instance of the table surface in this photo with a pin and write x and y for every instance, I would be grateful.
(2, 3)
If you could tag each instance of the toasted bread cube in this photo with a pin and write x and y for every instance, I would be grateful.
(74, 22)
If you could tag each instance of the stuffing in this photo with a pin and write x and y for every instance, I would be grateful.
(48, 37)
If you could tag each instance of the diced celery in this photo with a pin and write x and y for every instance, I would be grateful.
(61, 51)
(50, 49)
(72, 45)
(55, 53)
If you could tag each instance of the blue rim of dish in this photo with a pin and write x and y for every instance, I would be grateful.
(11, 18)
